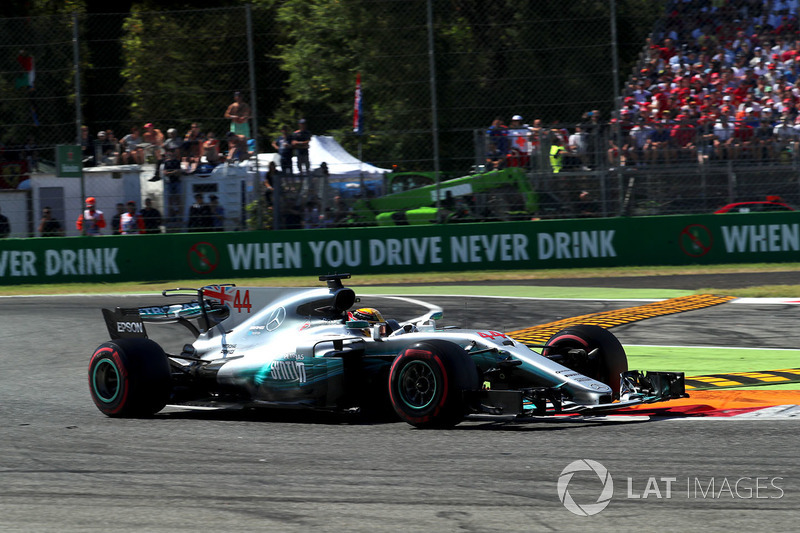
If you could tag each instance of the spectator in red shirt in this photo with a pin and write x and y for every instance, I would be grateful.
(131, 222)
(684, 89)
(668, 50)
(91, 221)
(683, 138)
(660, 98)
(789, 107)
(743, 134)
(788, 26)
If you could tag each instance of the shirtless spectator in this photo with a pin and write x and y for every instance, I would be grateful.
(155, 138)
(211, 148)
(192, 147)
(237, 148)
(239, 115)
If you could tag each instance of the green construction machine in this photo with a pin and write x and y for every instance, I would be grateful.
(412, 199)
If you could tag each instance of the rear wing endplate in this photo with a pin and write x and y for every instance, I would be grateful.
(124, 323)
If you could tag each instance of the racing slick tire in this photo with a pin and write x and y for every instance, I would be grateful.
(607, 364)
(427, 381)
(129, 378)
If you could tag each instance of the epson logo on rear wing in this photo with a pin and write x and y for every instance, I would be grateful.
(130, 327)
(124, 323)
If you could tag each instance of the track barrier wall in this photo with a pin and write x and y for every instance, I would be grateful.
(579, 243)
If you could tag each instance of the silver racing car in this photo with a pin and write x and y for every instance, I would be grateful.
(309, 348)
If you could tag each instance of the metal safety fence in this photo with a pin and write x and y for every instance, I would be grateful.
(170, 108)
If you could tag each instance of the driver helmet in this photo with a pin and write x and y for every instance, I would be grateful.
(368, 314)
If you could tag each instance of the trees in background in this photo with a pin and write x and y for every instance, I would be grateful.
(174, 63)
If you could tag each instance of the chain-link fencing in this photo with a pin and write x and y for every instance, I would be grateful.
(467, 111)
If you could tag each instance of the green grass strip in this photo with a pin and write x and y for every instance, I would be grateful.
(527, 291)
(704, 361)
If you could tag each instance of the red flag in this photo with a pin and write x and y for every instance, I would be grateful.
(357, 122)
(25, 61)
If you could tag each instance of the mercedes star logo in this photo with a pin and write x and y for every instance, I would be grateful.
(276, 318)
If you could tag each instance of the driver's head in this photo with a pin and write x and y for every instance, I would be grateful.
(370, 315)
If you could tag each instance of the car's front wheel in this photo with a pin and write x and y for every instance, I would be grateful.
(605, 357)
(427, 383)
(129, 377)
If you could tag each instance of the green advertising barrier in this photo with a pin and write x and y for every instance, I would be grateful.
(69, 163)
(668, 240)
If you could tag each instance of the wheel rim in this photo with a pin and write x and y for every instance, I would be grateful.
(417, 385)
(106, 381)
(586, 367)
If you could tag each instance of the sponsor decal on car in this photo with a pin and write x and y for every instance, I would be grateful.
(492, 335)
(130, 327)
(288, 371)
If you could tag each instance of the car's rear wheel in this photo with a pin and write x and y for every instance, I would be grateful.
(604, 365)
(129, 377)
(427, 383)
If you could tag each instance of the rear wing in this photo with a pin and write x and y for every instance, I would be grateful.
(126, 322)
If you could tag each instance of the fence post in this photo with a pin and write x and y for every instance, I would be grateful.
(76, 59)
(614, 59)
(731, 182)
(257, 187)
(434, 106)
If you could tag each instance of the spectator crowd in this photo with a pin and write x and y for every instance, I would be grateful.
(719, 83)
(194, 152)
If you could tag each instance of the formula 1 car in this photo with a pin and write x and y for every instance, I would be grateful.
(300, 348)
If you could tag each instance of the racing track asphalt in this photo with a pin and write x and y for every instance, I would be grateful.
(65, 467)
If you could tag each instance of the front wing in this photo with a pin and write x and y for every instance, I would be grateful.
(636, 388)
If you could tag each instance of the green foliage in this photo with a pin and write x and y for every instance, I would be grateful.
(545, 59)
(158, 46)
(258, 215)
(21, 107)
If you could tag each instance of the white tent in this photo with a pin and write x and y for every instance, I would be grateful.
(325, 149)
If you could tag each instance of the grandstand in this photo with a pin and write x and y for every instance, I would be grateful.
(708, 116)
